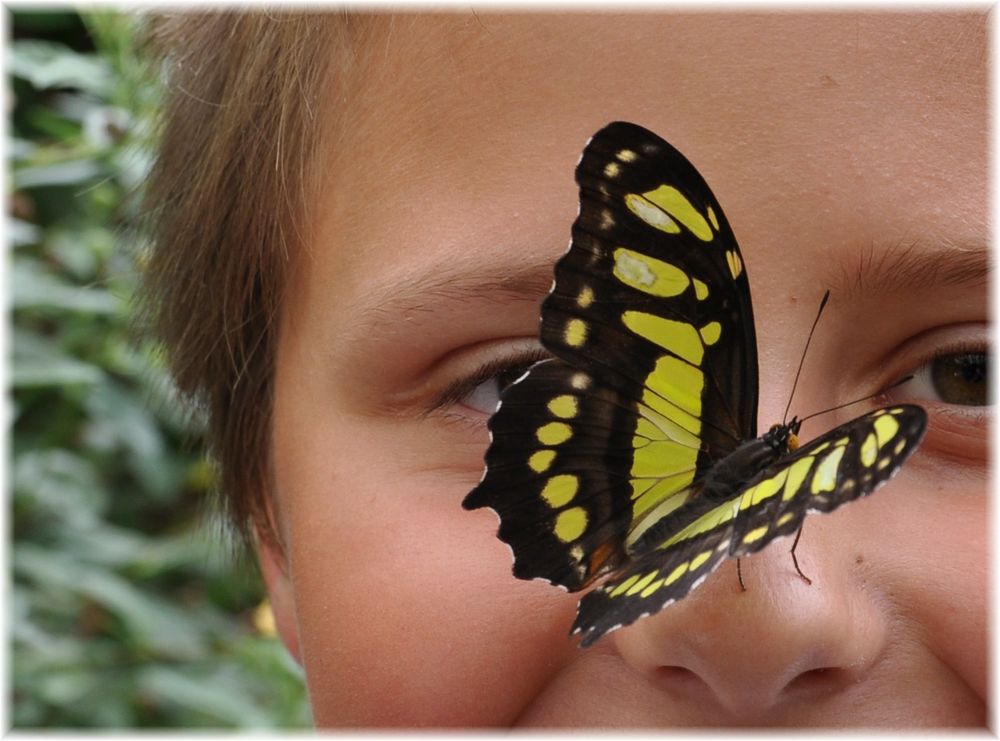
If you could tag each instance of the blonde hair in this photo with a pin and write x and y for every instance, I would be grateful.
(229, 193)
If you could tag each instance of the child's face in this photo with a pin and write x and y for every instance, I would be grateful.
(849, 152)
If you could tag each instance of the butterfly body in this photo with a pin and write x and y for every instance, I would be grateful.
(632, 457)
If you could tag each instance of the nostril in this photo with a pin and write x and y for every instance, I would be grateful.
(819, 679)
(676, 673)
(679, 679)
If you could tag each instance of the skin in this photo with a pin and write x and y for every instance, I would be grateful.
(843, 148)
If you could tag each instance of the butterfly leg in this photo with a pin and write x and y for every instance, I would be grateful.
(739, 575)
(795, 561)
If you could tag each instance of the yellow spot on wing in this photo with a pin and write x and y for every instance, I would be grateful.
(564, 406)
(624, 586)
(671, 201)
(611, 170)
(554, 433)
(570, 524)
(680, 338)
(659, 495)
(711, 332)
(755, 534)
(625, 155)
(560, 490)
(539, 462)
(712, 519)
(712, 218)
(825, 478)
(700, 289)
(885, 428)
(673, 388)
(869, 450)
(698, 560)
(641, 584)
(576, 332)
(649, 275)
(651, 588)
(651, 214)
(734, 262)
(764, 490)
(676, 574)
(796, 475)
(585, 298)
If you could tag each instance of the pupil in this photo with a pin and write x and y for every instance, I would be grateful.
(961, 378)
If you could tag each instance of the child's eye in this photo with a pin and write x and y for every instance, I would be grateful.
(480, 391)
(957, 378)
(485, 397)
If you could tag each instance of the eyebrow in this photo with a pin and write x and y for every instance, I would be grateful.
(914, 266)
(456, 281)
(896, 267)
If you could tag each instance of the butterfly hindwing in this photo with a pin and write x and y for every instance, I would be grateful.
(660, 576)
(556, 474)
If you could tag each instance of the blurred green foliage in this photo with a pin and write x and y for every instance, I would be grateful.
(128, 608)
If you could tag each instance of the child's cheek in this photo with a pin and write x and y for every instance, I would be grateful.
(408, 614)
(948, 581)
(928, 559)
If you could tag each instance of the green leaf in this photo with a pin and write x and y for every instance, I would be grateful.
(22, 232)
(61, 484)
(207, 695)
(39, 362)
(33, 287)
(71, 172)
(47, 64)
(82, 248)
(121, 420)
(153, 624)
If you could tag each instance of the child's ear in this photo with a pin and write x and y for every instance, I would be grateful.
(274, 569)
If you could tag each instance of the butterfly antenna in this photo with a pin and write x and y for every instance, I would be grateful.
(900, 382)
(802, 360)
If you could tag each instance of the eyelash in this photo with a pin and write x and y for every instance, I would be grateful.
(918, 372)
(460, 389)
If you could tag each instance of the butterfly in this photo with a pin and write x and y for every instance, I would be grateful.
(631, 458)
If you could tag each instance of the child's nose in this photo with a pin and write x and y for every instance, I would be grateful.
(741, 655)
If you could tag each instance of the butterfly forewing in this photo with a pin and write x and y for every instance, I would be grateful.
(651, 307)
(848, 462)
(652, 298)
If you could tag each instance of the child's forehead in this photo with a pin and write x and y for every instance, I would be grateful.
(457, 136)
(460, 126)
(482, 91)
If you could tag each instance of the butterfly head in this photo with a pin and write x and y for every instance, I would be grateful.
(784, 437)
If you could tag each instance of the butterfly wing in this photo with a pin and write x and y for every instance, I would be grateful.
(848, 462)
(655, 369)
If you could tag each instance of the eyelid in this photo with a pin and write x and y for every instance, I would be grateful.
(919, 358)
(909, 355)
(956, 434)
(457, 390)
